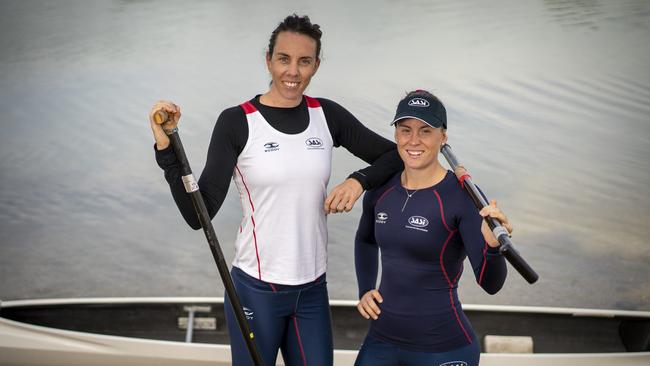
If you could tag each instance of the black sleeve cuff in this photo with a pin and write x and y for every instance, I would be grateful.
(361, 178)
(493, 251)
(165, 157)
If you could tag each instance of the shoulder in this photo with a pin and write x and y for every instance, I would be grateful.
(338, 118)
(375, 194)
(452, 192)
(232, 113)
(232, 122)
(236, 114)
(330, 105)
(450, 187)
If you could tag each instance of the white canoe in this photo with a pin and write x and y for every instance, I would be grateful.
(146, 331)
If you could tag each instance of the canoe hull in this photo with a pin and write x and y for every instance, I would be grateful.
(28, 344)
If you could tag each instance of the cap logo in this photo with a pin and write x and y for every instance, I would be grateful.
(418, 102)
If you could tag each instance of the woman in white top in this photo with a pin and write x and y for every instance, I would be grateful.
(277, 148)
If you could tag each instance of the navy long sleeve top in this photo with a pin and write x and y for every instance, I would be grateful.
(423, 241)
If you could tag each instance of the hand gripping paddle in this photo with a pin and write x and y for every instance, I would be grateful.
(192, 188)
(506, 248)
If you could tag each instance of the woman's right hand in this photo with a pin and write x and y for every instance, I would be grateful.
(368, 307)
(173, 116)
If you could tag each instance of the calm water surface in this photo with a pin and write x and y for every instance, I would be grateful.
(548, 106)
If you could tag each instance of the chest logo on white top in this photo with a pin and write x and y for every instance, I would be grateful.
(271, 146)
(314, 143)
(382, 217)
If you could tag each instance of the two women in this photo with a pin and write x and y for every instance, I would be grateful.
(277, 147)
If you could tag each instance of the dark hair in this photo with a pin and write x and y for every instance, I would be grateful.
(297, 24)
(422, 93)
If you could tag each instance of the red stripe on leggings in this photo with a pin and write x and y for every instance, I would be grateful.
(302, 351)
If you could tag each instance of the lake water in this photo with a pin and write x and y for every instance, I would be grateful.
(548, 105)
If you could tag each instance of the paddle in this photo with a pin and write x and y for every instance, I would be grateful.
(192, 188)
(506, 248)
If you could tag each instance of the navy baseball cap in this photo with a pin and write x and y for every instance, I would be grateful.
(424, 107)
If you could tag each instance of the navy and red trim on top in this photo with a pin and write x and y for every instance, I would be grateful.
(424, 240)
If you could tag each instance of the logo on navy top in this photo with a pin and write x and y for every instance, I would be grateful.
(382, 217)
(417, 223)
(314, 143)
(418, 102)
(271, 146)
(454, 363)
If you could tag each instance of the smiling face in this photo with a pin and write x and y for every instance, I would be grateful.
(418, 144)
(292, 65)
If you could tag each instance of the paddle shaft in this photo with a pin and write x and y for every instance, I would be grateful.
(506, 247)
(192, 188)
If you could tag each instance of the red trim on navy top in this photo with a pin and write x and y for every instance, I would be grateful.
(444, 270)
(451, 286)
(312, 102)
(480, 278)
(384, 195)
(442, 211)
(462, 179)
(248, 107)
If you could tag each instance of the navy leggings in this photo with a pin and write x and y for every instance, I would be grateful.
(293, 319)
(378, 353)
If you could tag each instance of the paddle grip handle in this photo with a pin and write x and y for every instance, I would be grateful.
(160, 116)
(512, 256)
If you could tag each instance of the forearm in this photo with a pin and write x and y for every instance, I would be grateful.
(494, 271)
(381, 170)
(488, 264)
(349, 132)
(228, 138)
(375, 150)
(366, 265)
(169, 163)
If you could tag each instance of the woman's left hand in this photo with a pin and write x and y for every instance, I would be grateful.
(343, 196)
(493, 211)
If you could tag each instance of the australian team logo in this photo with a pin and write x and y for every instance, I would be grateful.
(418, 223)
(382, 217)
(314, 143)
(271, 146)
(418, 102)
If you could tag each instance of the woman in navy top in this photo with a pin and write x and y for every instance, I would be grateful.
(425, 225)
